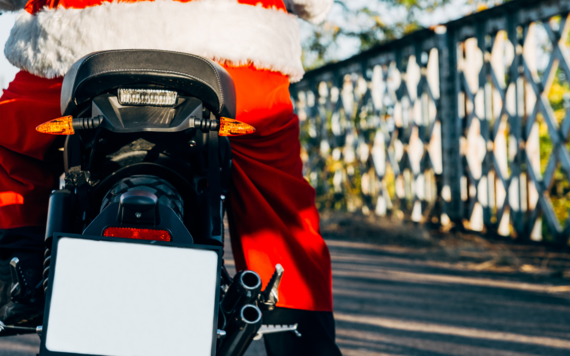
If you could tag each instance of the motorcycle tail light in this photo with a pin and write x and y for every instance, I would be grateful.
(230, 127)
(59, 126)
(138, 234)
(147, 97)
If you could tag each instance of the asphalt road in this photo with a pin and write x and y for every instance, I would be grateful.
(403, 298)
(389, 304)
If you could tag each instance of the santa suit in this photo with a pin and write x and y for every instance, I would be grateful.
(272, 213)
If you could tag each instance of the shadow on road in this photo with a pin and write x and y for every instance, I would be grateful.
(401, 291)
(399, 294)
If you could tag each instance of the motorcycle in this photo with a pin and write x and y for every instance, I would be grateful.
(135, 235)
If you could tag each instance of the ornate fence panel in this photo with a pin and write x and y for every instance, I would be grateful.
(467, 123)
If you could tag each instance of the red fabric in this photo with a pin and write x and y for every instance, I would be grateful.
(28, 102)
(273, 216)
(34, 6)
(272, 206)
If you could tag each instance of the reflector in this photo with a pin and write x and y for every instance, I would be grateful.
(138, 234)
(230, 127)
(59, 126)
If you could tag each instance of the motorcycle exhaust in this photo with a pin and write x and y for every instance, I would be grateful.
(240, 331)
(244, 289)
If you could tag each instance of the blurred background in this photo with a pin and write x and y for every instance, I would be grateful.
(7, 71)
(460, 124)
(436, 134)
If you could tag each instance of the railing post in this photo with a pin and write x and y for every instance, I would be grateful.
(508, 194)
(451, 126)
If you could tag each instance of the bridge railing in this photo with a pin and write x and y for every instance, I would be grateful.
(467, 123)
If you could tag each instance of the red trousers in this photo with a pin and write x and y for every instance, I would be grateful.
(273, 218)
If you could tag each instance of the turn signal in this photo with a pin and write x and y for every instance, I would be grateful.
(138, 234)
(59, 126)
(230, 127)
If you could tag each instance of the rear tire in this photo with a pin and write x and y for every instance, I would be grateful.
(167, 195)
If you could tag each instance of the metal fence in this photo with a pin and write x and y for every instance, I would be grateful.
(465, 124)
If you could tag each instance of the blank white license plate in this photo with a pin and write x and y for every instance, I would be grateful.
(126, 299)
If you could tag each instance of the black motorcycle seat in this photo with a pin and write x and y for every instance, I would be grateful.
(101, 72)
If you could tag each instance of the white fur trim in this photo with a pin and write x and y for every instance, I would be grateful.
(12, 5)
(48, 43)
(313, 11)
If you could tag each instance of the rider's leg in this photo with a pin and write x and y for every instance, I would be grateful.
(273, 218)
(26, 179)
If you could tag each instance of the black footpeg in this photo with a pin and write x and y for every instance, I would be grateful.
(273, 329)
(17, 330)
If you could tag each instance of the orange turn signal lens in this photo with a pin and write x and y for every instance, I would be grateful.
(138, 234)
(59, 126)
(230, 127)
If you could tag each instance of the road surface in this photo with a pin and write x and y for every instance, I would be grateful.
(402, 291)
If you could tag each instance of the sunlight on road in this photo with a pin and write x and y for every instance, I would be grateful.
(387, 274)
(400, 324)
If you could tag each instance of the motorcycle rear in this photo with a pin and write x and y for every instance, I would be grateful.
(134, 235)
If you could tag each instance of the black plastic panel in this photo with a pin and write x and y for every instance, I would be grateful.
(126, 119)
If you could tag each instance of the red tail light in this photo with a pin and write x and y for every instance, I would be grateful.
(138, 234)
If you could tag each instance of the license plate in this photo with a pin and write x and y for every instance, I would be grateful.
(111, 297)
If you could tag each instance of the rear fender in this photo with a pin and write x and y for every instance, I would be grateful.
(168, 221)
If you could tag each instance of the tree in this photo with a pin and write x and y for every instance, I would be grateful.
(357, 25)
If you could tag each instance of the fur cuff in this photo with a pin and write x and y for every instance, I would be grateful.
(12, 5)
(313, 11)
(48, 43)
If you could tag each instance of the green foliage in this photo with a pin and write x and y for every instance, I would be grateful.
(559, 98)
(357, 25)
(369, 23)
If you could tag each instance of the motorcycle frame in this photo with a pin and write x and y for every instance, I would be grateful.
(217, 171)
